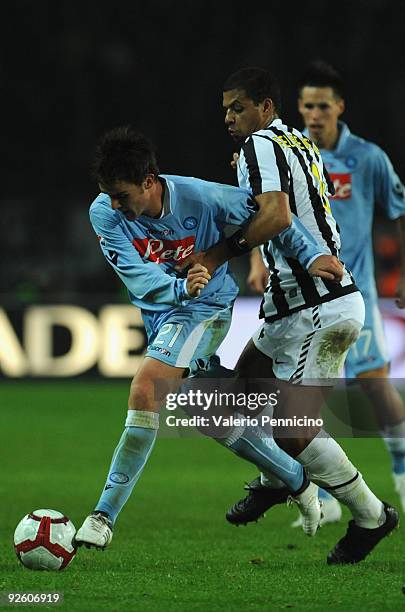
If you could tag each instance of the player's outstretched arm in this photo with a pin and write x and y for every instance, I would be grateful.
(273, 219)
(259, 274)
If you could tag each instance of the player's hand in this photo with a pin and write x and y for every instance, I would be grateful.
(201, 258)
(259, 274)
(197, 278)
(327, 267)
(400, 292)
(234, 162)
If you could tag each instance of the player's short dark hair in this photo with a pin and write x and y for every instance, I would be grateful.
(123, 154)
(257, 83)
(322, 74)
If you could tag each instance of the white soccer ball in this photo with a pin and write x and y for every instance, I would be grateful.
(43, 540)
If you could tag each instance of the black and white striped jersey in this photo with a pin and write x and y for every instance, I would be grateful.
(280, 158)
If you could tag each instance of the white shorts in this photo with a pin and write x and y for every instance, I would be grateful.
(309, 347)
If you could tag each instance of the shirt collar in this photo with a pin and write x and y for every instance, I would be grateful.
(344, 134)
(275, 122)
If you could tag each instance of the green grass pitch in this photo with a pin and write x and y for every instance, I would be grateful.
(172, 548)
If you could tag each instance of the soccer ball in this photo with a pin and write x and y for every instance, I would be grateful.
(43, 540)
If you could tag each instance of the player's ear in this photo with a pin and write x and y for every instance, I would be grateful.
(341, 106)
(148, 181)
(268, 106)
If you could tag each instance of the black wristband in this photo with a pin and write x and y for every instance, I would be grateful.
(237, 244)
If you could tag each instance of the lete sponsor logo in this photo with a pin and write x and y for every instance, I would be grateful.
(343, 186)
(160, 250)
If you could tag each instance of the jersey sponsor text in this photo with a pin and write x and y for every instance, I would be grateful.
(159, 250)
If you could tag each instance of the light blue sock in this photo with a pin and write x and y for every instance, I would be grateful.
(128, 460)
(252, 444)
(394, 438)
(324, 495)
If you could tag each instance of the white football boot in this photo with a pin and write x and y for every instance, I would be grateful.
(399, 480)
(96, 532)
(331, 513)
(309, 507)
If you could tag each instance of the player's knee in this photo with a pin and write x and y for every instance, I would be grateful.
(141, 395)
(252, 363)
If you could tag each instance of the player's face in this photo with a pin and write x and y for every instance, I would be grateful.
(320, 110)
(243, 116)
(130, 199)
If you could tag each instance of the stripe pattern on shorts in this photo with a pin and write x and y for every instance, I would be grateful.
(296, 378)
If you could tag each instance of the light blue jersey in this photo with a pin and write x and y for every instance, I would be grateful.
(144, 254)
(362, 176)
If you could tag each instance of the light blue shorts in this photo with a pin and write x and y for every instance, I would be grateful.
(370, 351)
(187, 337)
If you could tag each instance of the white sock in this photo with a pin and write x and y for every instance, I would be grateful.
(328, 466)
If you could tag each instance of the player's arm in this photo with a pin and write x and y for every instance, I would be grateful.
(400, 292)
(144, 280)
(258, 274)
(390, 195)
(292, 242)
(263, 165)
(273, 218)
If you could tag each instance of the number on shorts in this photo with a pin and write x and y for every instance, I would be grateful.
(166, 329)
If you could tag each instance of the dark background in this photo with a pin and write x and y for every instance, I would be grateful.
(70, 70)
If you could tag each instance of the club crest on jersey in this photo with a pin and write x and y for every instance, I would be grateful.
(160, 250)
(351, 162)
(342, 183)
(190, 223)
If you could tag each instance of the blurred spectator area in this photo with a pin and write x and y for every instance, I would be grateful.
(386, 256)
(67, 75)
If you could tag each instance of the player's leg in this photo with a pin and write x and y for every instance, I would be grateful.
(390, 414)
(210, 325)
(173, 338)
(132, 451)
(328, 466)
(368, 362)
(256, 445)
(252, 444)
(369, 349)
(324, 460)
(176, 339)
(256, 362)
(321, 356)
